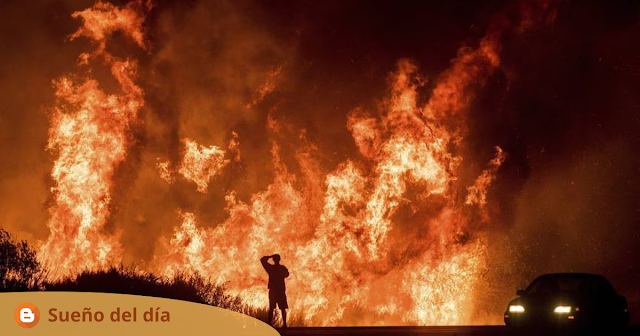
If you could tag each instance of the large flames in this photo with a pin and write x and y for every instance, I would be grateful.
(89, 134)
(385, 238)
(345, 254)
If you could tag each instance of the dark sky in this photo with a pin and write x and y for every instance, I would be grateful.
(564, 105)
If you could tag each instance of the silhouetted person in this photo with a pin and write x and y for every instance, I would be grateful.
(277, 290)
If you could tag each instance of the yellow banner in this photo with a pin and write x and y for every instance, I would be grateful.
(74, 313)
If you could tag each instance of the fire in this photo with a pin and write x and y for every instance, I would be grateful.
(89, 135)
(200, 163)
(478, 191)
(384, 238)
(266, 88)
(164, 169)
(346, 254)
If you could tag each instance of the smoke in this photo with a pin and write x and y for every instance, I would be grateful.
(33, 54)
(562, 110)
(209, 69)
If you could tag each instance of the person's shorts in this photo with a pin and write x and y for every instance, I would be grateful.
(279, 299)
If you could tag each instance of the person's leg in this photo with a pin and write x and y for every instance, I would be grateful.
(272, 308)
(284, 317)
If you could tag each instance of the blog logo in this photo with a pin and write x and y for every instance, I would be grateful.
(27, 315)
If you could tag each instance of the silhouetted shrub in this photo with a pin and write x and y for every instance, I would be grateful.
(21, 271)
(128, 281)
(19, 266)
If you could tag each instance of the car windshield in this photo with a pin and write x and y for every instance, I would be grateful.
(555, 283)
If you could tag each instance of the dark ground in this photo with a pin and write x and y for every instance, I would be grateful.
(415, 331)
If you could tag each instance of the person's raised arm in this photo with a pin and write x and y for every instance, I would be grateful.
(264, 262)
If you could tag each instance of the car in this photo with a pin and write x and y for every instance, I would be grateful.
(568, 300)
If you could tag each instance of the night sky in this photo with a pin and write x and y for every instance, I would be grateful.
(564, 105)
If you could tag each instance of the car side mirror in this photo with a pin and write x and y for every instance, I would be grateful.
(521, 292)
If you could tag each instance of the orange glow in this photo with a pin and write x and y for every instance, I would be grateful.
(89, 136)
(164, 169)
(342, 255)
(267, 87)
(383, 238)
(478, 191)
(200, 164)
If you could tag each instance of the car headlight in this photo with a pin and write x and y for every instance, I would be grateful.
(516, 309)
(562, 310)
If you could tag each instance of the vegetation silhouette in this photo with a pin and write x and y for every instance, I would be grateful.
(19, 266)
(21, 271)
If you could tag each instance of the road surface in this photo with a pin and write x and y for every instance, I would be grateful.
(419, 331)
